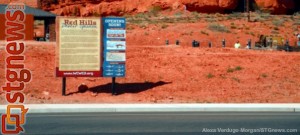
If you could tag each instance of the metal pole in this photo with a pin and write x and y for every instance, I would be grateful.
(64, 82)
(248, 10)
(113, 88)
(223, 43)
(177, 42)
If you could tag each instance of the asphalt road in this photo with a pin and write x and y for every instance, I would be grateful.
(160, 123)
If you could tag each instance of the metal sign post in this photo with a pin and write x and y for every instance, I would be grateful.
(113, 86)
(64, 83)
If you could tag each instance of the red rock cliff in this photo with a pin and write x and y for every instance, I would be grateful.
(121, 7)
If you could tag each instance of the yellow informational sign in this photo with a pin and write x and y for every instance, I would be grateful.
(79, 47)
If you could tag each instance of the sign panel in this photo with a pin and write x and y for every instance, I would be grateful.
(114, 41)
(79, 47)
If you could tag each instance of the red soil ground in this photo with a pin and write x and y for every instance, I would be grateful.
(157, 73)
(172, 74)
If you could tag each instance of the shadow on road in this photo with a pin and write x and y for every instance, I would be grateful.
(122, 88)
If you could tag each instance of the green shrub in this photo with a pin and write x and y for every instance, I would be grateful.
(264, 75)
(196, 15)
(230, 70)
(210, 75)
(235, 15)
(238, 68)
(178, 14)
(236, 79)
(218, 28)
(278, 22)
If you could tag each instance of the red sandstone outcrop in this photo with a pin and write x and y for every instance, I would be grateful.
(121, 7)
(210, 6)
(276, 6)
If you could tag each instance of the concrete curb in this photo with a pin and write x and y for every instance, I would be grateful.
(69, 108)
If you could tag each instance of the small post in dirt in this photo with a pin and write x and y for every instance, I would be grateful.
(64, 83)
(113, 86)
(249, 43)
(223, 43)
(248, 10)
(177, 42)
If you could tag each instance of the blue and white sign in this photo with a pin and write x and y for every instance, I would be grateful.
(114, 39)
(116, 45)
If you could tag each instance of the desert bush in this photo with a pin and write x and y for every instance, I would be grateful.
(164, 26)
(229, 17)
(210, 20)
(233, 27)
(236, 79)
(130, 27)
(265, 15)
(196, 15)
(230, 70)
(264, 75)
(238, 68)
(178, 14)
(296, 22)
(136, 21)
(140, 15)
(218, 27)
(234, 15)
(296, 14)
(258, 17)
(204, 32)
(278, 22)
(276, 28)
(155, 10)
(210, 75)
